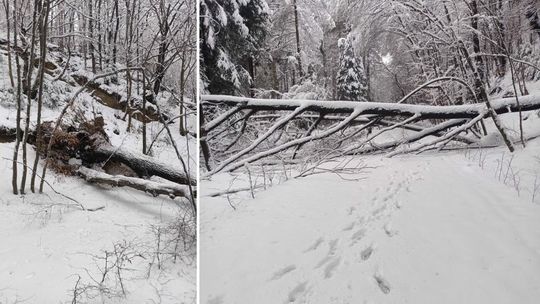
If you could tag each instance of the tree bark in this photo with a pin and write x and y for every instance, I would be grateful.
(499, 106)
(29, 93)
(43, 57)
(297, 35)
(154, 188)
(8, 28)
(91, 48)
(15, 164)
(143, 165)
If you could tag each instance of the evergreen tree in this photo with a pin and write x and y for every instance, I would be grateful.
(532, 15)
(232, 31)
(351, 80)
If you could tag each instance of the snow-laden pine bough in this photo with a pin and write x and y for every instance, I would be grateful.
(236, 131)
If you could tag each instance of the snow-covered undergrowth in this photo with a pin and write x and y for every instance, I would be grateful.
(134, 248)
(48, 242)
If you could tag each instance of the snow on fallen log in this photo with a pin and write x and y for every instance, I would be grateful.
(503, 105)
(143, 165)
(164, 188)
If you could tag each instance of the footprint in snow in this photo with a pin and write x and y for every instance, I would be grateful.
(280, 273)
(389, 230)
(366, 253)
(382, 282)
(331, 253)
(215, 300)
(322, 262)
(330, 268)
(358, 235)
(315, 245)
(332, 247)
(297, 292)
(378, 210)
(349, 227)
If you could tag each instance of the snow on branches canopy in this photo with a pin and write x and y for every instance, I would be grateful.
(231, 32)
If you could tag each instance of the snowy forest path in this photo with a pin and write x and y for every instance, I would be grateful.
(424, 229)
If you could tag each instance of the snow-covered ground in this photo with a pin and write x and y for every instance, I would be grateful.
(428, 229)
(47, 242)
(439, 227)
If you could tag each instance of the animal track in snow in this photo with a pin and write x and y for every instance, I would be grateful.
(280, 273)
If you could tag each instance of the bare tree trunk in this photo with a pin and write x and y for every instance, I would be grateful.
(129, 79)
(100, 39)
(29, 93)
(14, 178)
(181, 121)
(91, 35)
(275, 81)
(501, 61)
(43, 55)
(10, 69)
(115, 39)
(160, 68)
(297, 34)
(476, 47)
(60, 24)
(144, 150)
(84, 43)
(205, 149)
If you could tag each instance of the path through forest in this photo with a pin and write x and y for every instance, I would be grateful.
(417, 229)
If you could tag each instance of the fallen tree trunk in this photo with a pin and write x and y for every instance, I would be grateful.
(500, 106)
(170, 189)
(142, 164)
(89, 142)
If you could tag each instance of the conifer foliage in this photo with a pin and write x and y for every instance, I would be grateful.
(232, 31)
(351, 79)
